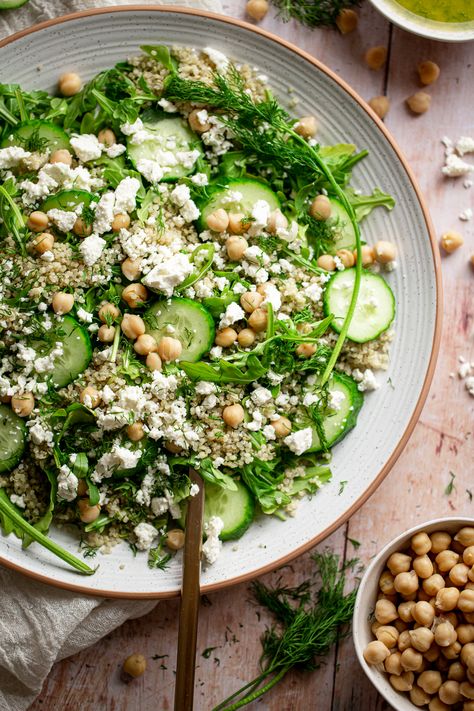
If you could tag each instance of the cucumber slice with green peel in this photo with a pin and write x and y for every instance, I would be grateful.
(77, 352)
(338, 423)
(170, 135)
(237, 195)
(37, 135)
(186, 320)
(12, 438)
(375, 309)
(343, 229)
(68, 200)
(11, 4)
(235, 508)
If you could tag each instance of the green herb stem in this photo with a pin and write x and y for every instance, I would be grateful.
(254, 695)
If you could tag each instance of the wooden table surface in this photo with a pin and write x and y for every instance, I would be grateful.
(414, 490)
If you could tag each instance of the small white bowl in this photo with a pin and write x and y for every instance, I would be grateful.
(366, 598)
(442, 31)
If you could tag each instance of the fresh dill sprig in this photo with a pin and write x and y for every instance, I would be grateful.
(33, 142)
(451, 486)
(312, 13)
(157, 559)
(307, 627)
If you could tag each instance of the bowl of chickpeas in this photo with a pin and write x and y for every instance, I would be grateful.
(413, 624)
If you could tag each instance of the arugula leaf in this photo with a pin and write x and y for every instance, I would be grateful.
(225, 372)
(213, 475)
(45, 521)
(364, 204)
(203, 269)
(11, 219)
(262, 480)
(162, 54)
(216, 305)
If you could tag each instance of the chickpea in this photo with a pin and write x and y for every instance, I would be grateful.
(282, 426)
(306, 127)
(452, 651)
(90, 397)
(233, 415)
(433, 584)
(419, 697)
(320, 209)
(250, 301)
(37, 221)
(428, 72)
(43, 243)
(446, 560)
(468, 556)
(423, 613)
(385, 612)
(106, 334)
(326, 262)
(87, 513)
(347, 21)
(276, 221)
(430, 681)
(433, 653)
(451, 617)
(419, 103)
(62, 303)
(132, 326)
(445, 634)
(135, 432)
(175, 539)
(169, 348)
(465, 633)
(346, 257)
(134, 665)
(421, 638)
(405, 610)
(465, 536)
(388, 635)
(467, 656)
(406, 583)
(153, 361)
(437, 705)
(385, 252)
(62, 155)
(69, 84)
(135, 295)
(108, 312)
(226, 337)
(400, 625)
(423, 566)
(306, 350)
(380, 104)
(131, 268)
(467, 690)
(197, 122)
(375, 57)
(121, 221)
(411, 660)
(440, 541)
(469, 617)
(246, 337)
(468, 706)
(81, 228)
(449, 692)
(386, 583)
(218, 221)
(236, 247)
(172, 447)
(145, 344)
(258, 320)
(399, 563)
(107, 137)
(393, 665)
(457, 672)
(23, 405)
(421, 543)
(375, 653)
(447, 599)
(459, 574)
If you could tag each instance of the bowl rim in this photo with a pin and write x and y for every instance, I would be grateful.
(284, 560)
(362, 607)
(423, 27)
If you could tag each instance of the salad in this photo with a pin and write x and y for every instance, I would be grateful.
(183, 285)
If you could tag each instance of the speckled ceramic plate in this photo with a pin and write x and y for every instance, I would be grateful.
(91, 41)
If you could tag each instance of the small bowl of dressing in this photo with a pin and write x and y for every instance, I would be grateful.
(444, 20)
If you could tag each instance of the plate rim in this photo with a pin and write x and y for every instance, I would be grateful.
(300, 550)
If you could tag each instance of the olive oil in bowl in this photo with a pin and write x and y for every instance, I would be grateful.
(441, 10)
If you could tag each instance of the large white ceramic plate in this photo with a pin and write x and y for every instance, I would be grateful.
(90, 42)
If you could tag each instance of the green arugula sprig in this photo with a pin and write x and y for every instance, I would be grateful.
(307, 627)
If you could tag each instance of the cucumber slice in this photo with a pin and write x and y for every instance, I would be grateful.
(344, 233)
(192, 325)
(235, 508)
(375, 309)
(250, 191)
(12, 438)
(77, 352)
(170, 135)
(338, 424)
(68, 200)
(11, 4)
(37, 135)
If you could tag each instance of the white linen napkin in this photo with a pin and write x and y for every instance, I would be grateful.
(40, 625)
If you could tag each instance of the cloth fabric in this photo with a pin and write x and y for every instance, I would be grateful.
(40, 625)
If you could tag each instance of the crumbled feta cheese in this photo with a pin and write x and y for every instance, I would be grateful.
(336, 398)
(63, 219)
(180, 194)
(115, 150)
(205, 388)
(366, 380)
(169, 273)
(273, 297)
(269, 432)
(455, 166)
(104, 214)
(159, 505)
(232, 314)
(469, 384)
(200, 179)
(190, 211)
(132, 398)
(212, 545)
(219, 60)
(126, 195)
(215, 352)
(299, 441)
(261, 396)
(91, 249)
(107, 395)
(86, 146)
(146, 534)
(11, 156)
(18, 501)
(128, 129)
(67, 484)
(465, 145)
(84, 315)
(167, 106)
(313, 292)
(40, 434)
(466, 215)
